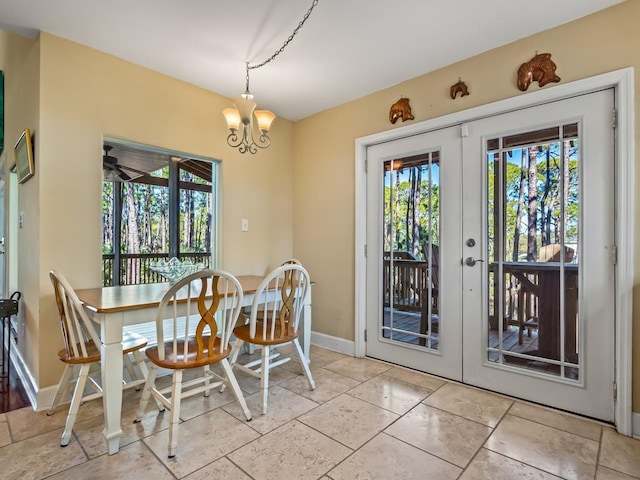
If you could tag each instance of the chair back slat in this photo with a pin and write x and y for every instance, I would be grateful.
(77, 329)
(280, 298)
(210, 300)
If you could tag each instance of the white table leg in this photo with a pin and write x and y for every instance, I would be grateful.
(306, 325)
(112, 364)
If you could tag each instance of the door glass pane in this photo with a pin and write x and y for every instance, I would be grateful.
(411, 240)
(533, 229)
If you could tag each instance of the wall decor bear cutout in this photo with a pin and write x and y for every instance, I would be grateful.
(458, 88)
(400, 109)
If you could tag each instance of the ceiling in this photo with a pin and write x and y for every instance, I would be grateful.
(345, 50)
(137, 162)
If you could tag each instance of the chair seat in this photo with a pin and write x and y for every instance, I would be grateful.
(243, 332)
(190, 361)
(130, 343)
(93, 354)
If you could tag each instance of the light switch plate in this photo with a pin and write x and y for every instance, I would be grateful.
(245, 225)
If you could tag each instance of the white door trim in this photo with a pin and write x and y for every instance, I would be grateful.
(622, 82)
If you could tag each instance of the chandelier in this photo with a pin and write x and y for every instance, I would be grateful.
(240, 118)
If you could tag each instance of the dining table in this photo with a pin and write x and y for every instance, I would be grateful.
(115, 307)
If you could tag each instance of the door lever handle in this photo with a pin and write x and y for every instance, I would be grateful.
(470, 261)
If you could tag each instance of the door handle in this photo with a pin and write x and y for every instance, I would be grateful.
(470, 261)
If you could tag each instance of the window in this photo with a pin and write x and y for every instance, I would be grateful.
(155, 205)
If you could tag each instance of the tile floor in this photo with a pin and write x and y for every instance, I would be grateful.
(365, 420)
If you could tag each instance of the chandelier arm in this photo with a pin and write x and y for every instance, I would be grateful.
(284, 45)
(233, 140)
(266, 139)
(263, 141)
(247, 148)
(247, 143)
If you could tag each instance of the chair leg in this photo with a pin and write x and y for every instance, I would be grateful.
(304, 363)
(137, 355)
(264, 379)
(176, 396)
(129, 366)
(235, 388)
(144, 370)
(233, 358)
(62, 387)
(146, 393)
(75, 404)
(205, 369)
(235, 352)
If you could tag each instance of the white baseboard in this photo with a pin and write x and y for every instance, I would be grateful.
(40, 398)
(336, 344)
(20, 366)
(635, 422)
(45, 398)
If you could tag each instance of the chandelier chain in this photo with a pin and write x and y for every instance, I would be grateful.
(284, 45)
(242, 137)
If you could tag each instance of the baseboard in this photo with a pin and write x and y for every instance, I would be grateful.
(45, 398)
(20, 366)
(336, 344)
(635, 425)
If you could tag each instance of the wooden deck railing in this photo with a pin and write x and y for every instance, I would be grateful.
(135, 267)
(409, 278)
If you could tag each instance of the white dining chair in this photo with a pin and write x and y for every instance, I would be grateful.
(246, 313)
(82, 350)
(210, 300)
(274, 322)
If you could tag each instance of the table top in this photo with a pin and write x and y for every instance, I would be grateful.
(133, 297)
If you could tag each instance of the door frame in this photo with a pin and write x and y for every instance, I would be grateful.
(624, 143)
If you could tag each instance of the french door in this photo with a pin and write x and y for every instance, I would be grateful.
(408, 291)
(491, 253)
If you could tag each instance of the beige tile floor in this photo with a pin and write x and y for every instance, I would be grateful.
(365, 420)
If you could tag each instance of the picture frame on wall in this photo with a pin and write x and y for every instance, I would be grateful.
(24, 157)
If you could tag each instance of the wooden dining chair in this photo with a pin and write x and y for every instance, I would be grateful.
(246, 312)
(275, 321)
(82, 350)
(210, 300)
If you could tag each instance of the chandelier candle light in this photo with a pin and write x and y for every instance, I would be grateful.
(240, 118)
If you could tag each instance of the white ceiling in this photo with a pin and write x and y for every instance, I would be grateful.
(346, 49)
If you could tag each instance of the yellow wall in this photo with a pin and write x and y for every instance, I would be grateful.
(85, 95)
(20, 57)
(324, 172)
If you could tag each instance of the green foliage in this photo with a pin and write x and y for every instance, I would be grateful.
(396, 201)
(151, 215)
